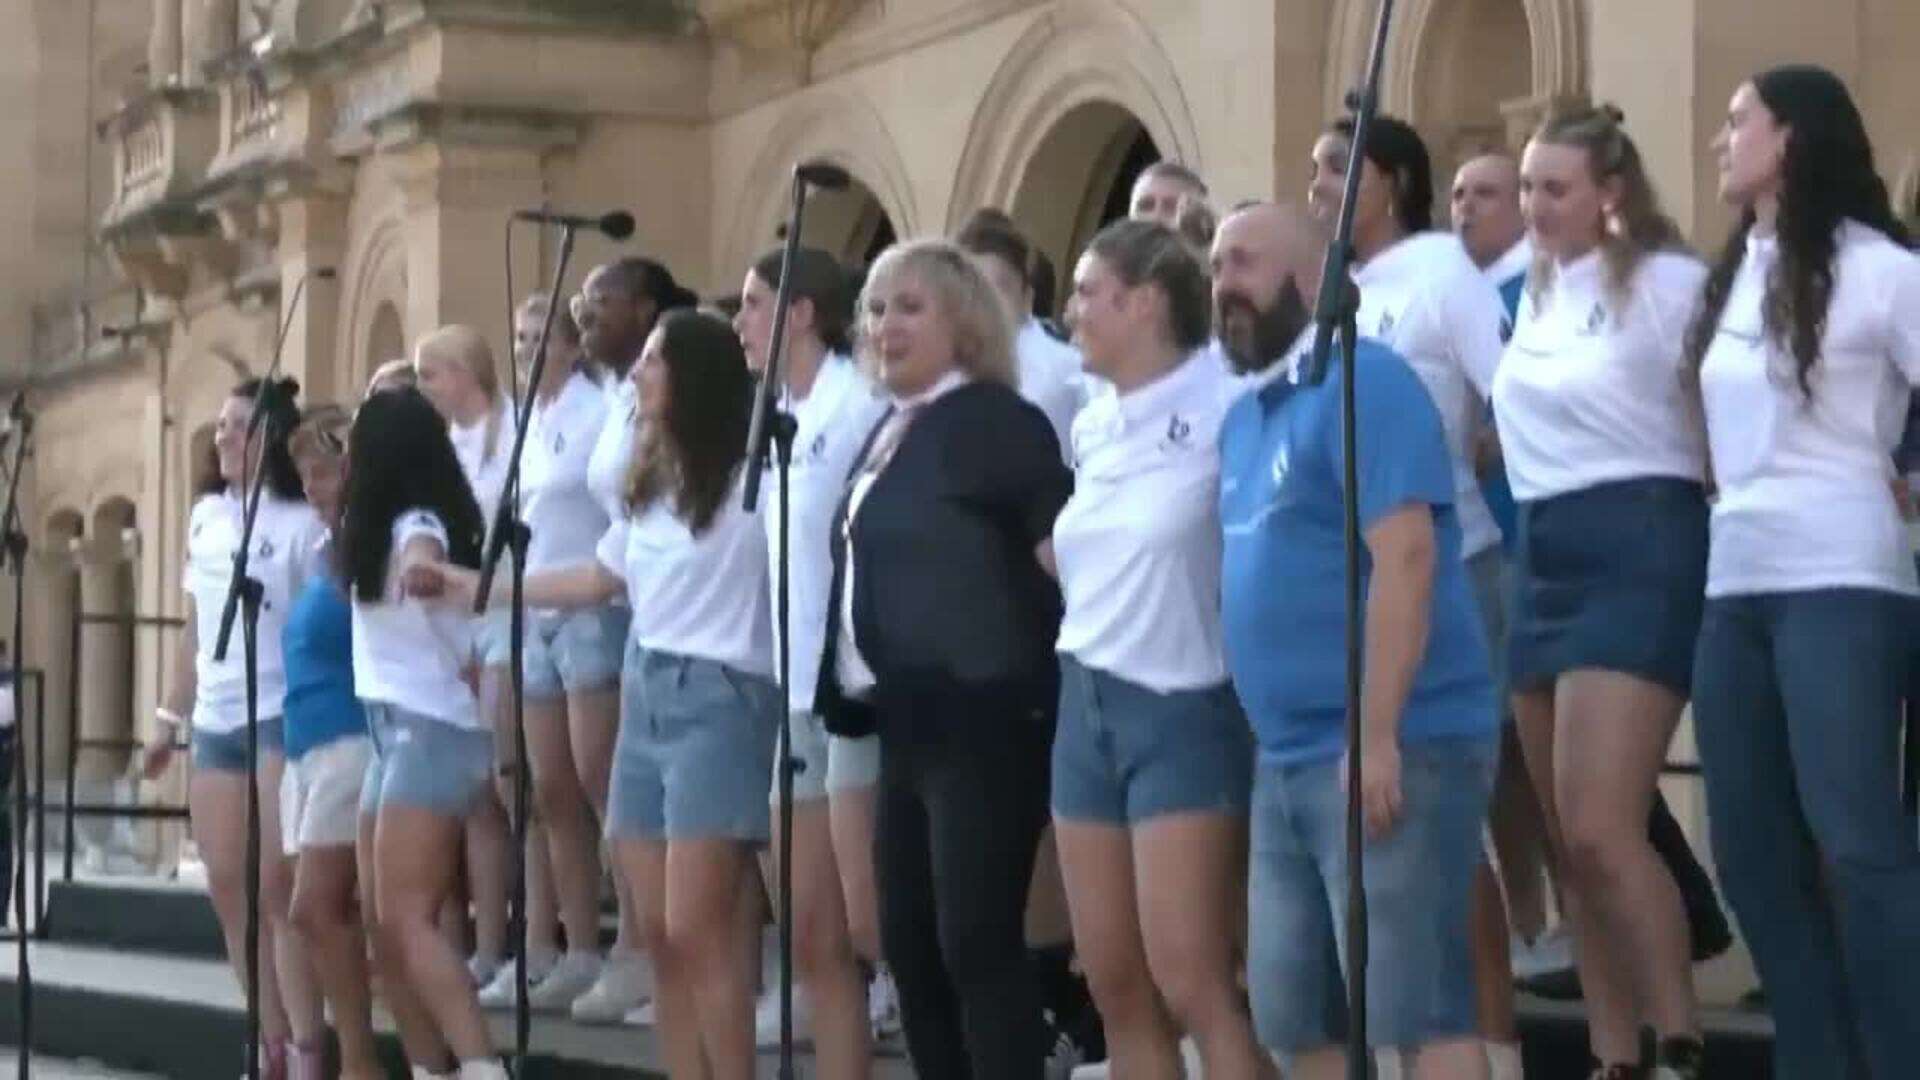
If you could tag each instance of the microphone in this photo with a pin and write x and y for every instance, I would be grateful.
(823, 174)
(617, 225)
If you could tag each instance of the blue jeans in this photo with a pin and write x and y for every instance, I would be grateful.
(1419, 880)
(1796, 701)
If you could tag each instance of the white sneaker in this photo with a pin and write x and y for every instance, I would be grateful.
(883, 1005)
(1065, 1060)
(640, 1017)
(766, 1019)
(1503, 1061)
(483, 969)
(1098, 1071)
(483, 1069)
(570, 978)
(500, 993)
(1550, 952)
(624, 985)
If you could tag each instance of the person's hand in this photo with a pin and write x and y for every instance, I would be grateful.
(1380, 802)
(453, 585)
(158, 753)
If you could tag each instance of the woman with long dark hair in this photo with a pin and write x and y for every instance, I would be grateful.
(835, 407)
(432, 750)
(694, 757)
(1605, 453)
(212, 693)
(1808, 347)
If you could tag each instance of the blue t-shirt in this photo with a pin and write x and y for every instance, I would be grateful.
(1493, 484)
(318, 642)
(1284, 563)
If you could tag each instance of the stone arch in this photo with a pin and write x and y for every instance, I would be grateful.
(372, 299)
(107, 589)
(53, 596)
(823, 126)
(1556, 63)
(1076, 54)
(1078, 178)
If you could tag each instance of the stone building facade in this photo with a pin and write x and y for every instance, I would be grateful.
(179, 167)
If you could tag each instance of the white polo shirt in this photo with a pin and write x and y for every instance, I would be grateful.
(485, 466)
(1138, 544)
(702, 596)
(285, 533)
(567, 521)
(1052, 377)
(613, 449)
(1593, 389)
(1426, 299)
(409, 654)
(832, 422)
(1804, 496)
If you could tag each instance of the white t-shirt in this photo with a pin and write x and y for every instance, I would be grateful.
(702, 596)
(1138, 544)
(285, 533)
(566, 520)
(833, 422)
(409, 654)
(1425, 297)
(1593, 390)
(1804, 486)
(1052, 377)
(486, 471)
(613, 450)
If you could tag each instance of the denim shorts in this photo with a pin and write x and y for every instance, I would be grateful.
(1419, 878)
(573, 651)
(492, 648)
(694, 757)
(423, 763)
(826, 764)
(226, 751)
(1488, 571)
(1123, 754)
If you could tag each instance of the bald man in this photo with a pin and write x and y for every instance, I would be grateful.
(1486, 214)
(1428, 718)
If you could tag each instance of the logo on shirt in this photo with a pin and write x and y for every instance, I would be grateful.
(818, 448)
(266, 550)
(559, 442)
(1386, 323)
(1597, 318)
(1179, 431)
(1281, 465)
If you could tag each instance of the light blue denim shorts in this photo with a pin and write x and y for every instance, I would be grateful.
(226, 751)
(423, 763)
(694, 757)
(1419, 878)
(571, 652)
(825, 764)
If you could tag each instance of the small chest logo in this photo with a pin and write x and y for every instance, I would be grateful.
(1179, 431)
(559, 442)
(1387, 322)
(1597, 318)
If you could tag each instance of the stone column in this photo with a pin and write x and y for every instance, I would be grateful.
(105, 688)
(163, 43)
(457, 198)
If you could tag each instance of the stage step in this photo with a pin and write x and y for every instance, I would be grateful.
(146, 915)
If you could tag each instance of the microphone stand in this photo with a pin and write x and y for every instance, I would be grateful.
(1337, 311)
(773, 428)
(13, 547)
(509, 533)
(245, 594)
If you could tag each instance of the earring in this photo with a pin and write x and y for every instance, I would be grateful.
(1615, 224)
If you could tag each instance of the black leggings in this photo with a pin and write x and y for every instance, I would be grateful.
(958, 822)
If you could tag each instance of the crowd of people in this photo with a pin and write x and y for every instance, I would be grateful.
(1067, 701)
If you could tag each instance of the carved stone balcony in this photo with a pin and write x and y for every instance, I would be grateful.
(776, 26)
(162, 145)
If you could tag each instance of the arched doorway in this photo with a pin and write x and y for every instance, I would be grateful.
(1079, 179)
(54, 593)
(1475, 66)
(385, 341)
(106, 673)
(849, 224)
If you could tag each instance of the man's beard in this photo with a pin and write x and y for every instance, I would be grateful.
(1263, 336)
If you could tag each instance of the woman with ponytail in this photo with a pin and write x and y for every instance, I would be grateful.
(1807, 346)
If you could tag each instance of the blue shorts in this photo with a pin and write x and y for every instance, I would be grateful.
(694, 757)
(423, 763)
(574, 651)
(1123, 754)
(226, 751)
(492, 648)
(1419, 879)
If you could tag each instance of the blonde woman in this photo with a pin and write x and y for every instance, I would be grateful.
(456, 371)
(941, 633)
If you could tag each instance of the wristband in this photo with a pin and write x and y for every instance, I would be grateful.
(169, 717)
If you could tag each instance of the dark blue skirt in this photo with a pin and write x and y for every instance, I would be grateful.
(1611, 577)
